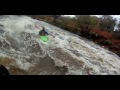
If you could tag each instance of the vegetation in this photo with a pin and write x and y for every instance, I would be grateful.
(100, 30)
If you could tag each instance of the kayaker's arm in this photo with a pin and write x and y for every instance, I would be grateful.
(50, 34)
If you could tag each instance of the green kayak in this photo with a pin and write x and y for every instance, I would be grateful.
(44, 38)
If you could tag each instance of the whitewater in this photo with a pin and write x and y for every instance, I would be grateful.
(63, 54)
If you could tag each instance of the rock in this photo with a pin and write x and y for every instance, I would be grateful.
(22, 52)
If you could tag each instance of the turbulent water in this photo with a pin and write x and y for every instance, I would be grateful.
(23, 53)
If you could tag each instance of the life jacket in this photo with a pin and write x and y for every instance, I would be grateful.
(43, 33)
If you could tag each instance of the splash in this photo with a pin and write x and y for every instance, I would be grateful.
(64, 53)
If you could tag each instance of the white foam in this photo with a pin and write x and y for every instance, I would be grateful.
(90, 53)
